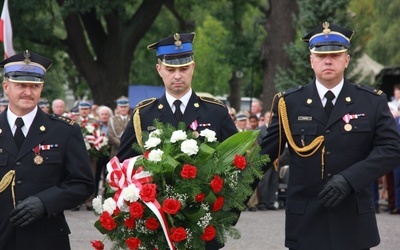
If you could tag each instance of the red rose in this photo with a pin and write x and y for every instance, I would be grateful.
(178, 234)
(209, 233)
(97, 245)
(129, 222)
(146, 154)
(218, 204)
(107, 221)
(240, 162)
(188, 171)
(136, 210)
(133, 243)
(95, 125)
(152, 224)
(217, 183)
(148, 192)
(171, 206)
(200, 197)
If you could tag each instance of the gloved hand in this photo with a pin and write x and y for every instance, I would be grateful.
(27, 211)
(334, 191)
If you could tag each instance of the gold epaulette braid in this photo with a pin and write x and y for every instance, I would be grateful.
(306, 150)
(8, 179)
(138, 128)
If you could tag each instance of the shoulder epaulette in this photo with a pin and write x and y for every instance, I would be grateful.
(289, 91)
(369, 89)
(212, 100)
(145, 103)
(64, 119)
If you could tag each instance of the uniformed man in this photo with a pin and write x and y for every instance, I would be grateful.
(341, 137)
(175, 65)
(44, 169)
(117, 124)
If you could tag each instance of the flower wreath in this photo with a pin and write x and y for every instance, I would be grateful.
(95, 140)
(186, 189)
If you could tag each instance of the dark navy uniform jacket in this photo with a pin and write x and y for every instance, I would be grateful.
(63, 181)
(209, 113)
(361, 154)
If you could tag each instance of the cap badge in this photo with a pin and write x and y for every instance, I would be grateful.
(177, 38)
(326, 28)
(27, 55)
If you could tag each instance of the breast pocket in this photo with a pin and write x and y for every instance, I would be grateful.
(304, 132)
(49, 170)
(3, 160)
(357, 136)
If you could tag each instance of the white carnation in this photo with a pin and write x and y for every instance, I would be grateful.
(152, 142)
(178, 135)
(155, 134)
(209, 135)
(130, 193)
(109, 205)
(90, 128)
(155, 155)
(189, 147)
(97, 204)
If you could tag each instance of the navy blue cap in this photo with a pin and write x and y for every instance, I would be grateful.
(43, 103)
(328, 38)
(122, 101)
(176, 50)
(26, 67)
(241, 117)
(84, 104)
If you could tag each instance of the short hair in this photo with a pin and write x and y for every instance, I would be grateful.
(102, 107)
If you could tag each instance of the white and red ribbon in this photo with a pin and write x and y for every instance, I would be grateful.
(96, 139)
(347, 117)
(194, 125)
(122, 175)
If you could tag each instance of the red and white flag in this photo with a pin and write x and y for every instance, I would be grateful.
(6, 31)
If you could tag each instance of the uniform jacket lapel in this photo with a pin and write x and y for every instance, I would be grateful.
(343, 104)
(192, 110)
(6, 136)
(165, 112)
(313, 105)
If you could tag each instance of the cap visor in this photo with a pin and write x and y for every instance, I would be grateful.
(328, 49)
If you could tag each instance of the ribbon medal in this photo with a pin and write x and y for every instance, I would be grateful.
(38, 159)
(347, 117)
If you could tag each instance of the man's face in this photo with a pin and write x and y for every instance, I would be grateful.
(123, 110)
(329, 68)
(256, 107)
(23, 97)
(177, 80)
(84, 112)
(58, 108)
(104, 115)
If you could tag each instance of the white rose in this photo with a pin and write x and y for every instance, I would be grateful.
(109, 205)
(130, 193)
(156, 133)
(178, 135)
(152, 142)
(155, 155)
(189, 147)
(97, 204)
(209, 135)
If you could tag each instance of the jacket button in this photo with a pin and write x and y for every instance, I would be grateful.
(329, 175)
(327, 131)
(328, 153)
(19, 182)
(18, 163)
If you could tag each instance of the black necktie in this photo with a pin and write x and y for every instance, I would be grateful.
(178, 112)
(329, 104)
(19, 136)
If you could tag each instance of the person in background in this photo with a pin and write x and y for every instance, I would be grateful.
(45, 168)
(232, 113)
(3, 103)
(58, 107)
(241, 121)
(256, 108)
(253, 122)
(44, 105)
(175, 65)
(117, 124)
(84, 109)
(341, 136)
(394, 104)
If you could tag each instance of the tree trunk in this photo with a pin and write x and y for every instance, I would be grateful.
(281, 31)
(235, 84)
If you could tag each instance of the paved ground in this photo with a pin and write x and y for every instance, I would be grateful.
(260, 230)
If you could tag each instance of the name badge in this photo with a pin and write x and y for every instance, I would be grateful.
(304, 118)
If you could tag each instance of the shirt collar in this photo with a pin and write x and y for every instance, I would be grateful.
(28, 120)
(322, 90)
(184, 99)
